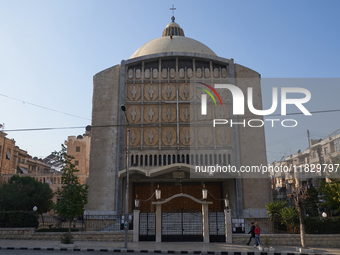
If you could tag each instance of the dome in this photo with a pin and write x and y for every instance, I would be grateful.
(172, 40)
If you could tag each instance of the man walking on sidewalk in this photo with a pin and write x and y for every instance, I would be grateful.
(251, 232)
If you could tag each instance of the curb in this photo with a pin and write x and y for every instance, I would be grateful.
(157, 251)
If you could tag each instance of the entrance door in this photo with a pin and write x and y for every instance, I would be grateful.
(182, 226)
(147, 227)
(217, 227)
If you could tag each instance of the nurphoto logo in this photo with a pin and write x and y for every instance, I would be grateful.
(239, 99)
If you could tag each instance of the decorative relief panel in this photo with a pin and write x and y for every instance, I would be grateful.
(155, 73)
(205, 136)
(185, 92)
(199, 73)
(172, 73)
(222, 111)
(223, 136)
(168, 92)
(216, 72)
(151, 136)
(164, 73)
(206, 72)
(151, 92)
(224, 72)
(181, 73)
(133, 113)
(189, 73)
(130, 74)
(205, 117)
(133, 92)
(169, 136)
(186, 112)
(151, 113)
(138, 74)
(224, 93)
(186, 136)
(134, 137)
(169, 113)
(147, 73)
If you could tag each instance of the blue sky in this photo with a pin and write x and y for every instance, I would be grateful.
(50, 50)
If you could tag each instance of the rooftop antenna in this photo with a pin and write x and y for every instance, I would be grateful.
(173, 13)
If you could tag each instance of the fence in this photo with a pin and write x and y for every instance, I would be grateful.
(85, 223)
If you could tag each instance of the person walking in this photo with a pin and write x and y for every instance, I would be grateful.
(251, 232)
(257, 235)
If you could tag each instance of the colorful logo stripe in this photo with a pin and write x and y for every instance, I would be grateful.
(211, 88)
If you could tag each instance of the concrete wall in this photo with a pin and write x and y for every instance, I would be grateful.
(29, 233)
(255, 187)
(292, 240)
(102, 176)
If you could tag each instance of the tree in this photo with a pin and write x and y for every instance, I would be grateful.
(274, 212)
(73, 194)
(290, 217)
(22, 193)
(299, 194)
(311, 202)
(331, 191)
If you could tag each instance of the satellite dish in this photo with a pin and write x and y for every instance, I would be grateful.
(79, 137)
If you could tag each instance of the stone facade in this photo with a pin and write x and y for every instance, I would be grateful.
(7, 160)
(168, 135)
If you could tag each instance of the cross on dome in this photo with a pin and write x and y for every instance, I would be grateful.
(173, 13)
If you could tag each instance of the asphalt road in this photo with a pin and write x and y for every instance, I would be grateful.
(33, 252)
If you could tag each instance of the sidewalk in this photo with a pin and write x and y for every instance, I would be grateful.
(153, 247)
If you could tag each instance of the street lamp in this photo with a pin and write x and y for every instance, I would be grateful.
(226, 201)
(204, 192)
(126, 223)
(136, 202)
(35, 208)
(158, 193)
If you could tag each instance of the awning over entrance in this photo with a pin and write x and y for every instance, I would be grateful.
(22, 170)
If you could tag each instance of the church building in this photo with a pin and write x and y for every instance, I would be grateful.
(163, 86)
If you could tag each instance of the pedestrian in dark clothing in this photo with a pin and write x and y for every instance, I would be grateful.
(252, 232)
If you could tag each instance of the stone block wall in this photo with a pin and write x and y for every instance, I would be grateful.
(292, 240)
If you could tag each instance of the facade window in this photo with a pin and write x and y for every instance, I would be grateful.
(78, 149)
(8, 154)
(76, 163)
(326, 150)
(337, 145)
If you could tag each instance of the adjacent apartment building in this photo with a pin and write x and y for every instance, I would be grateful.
(307, 168)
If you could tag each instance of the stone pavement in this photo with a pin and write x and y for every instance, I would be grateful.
(153, 247)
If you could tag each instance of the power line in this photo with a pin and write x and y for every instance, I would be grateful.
(44, 107)
(147, 124)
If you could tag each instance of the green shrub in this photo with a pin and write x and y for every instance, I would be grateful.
(66, 238)
(18, 220)
(322, 226)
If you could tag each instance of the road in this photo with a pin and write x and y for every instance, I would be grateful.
(33, 252)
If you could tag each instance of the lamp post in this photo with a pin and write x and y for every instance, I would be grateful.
(204, 193)
(126, 222)
(136, 202)
(35, 212)
(226, 202)
(158, 193)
